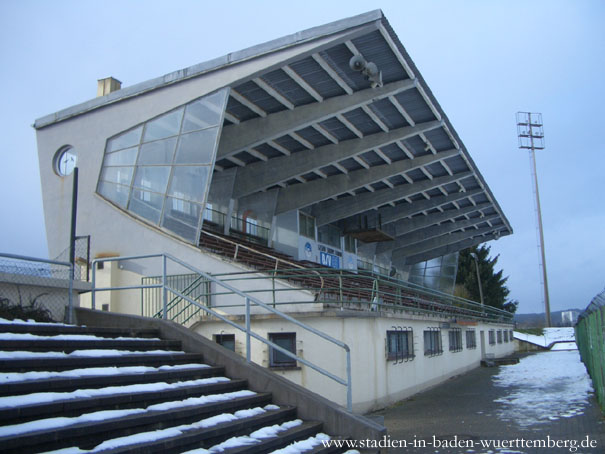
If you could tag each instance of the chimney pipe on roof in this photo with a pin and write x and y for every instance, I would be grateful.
(107, 85)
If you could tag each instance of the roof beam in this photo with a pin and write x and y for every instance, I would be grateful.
(332, 73)
(423, 235)
(273, 92)
(405, 226)
(440, 241)
(255, 177)
(329, 211)
(300, 81)
(235, 138)
(447, 249)
(315, 191)
(396, 213)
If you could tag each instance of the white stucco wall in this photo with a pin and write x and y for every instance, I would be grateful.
(377, 381)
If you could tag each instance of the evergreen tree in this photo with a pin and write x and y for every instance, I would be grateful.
(494, 288)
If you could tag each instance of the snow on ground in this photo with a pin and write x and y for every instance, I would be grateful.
(40, 398)
(92, 353)
(543, 387)
(68, 337)
(146, 437)
(564, 346)
(49, 423)
(549, 336)
(12, 377)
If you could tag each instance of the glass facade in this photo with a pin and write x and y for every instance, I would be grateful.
(161, 170)
(438, 274)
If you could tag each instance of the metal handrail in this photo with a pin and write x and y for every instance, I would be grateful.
(248, 300)
(70, 298)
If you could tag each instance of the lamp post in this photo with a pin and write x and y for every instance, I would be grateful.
(474, 256)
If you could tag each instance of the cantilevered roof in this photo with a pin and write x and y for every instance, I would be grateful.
(329, 141)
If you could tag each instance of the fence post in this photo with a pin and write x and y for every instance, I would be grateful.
(349, 382)
(70, 298)
(164, 289)
(248, 353)
(93, 291)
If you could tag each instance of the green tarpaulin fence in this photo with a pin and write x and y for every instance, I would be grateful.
(590, 337)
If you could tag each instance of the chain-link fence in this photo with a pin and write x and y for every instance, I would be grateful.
(590, 337)
(81, 258)
(36, 289)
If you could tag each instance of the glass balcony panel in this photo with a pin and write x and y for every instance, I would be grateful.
(118, 194)
(146, 204)
(197, 147)
(165, 126)
(189, 182)
(158, 152)
(125, 157)
(152, 178)
(126, 140)
(182, 217)
(121, 175)
(201, 114)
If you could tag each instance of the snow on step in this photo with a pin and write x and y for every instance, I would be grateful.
(70, 337)
(255, 437)
(146, 437)
(16, 377)
(299, 447)
(92, 353)
(17, 321)
(40, 398)
(54, 423)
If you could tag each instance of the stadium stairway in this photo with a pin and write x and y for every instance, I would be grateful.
(126, 384)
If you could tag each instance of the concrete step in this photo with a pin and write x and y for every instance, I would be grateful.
(53, 329)
(69, 345)
(66, 363)
(91, 434)
(78, 406)
(206, 438)
(100, 381)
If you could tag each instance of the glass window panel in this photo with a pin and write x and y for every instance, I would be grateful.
(152, 178)
(164, 126)
(197, 147)
(189, 182)
(121, 175)
(116, 193)
(126, 140)
(182, 217)
(158, 152)
(201, 114)
(125, 157)
(146, 204)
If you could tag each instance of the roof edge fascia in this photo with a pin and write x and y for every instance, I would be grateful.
(211, 65)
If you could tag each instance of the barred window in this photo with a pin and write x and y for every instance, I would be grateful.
(492, 337)
(432, 342)
(471, 339)
(499, 336)
(505, 333)
(455, 336)
(400, 344)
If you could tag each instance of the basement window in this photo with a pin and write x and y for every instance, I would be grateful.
(471, 339)
(455, 336)
(400, 344)
(432, 342)
(226, 340)
(288, 342)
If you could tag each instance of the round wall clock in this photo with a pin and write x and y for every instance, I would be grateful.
(65, 161)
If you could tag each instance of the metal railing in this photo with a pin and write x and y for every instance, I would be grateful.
(360, 290)
(248, 300)
(36, 273)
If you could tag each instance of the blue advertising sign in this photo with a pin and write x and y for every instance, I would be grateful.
(329, 260)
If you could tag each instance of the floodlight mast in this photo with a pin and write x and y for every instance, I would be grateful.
(530, 131)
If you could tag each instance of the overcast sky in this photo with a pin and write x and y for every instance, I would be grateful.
(483, 60)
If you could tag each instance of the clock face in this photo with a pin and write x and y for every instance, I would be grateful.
(66, 162)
